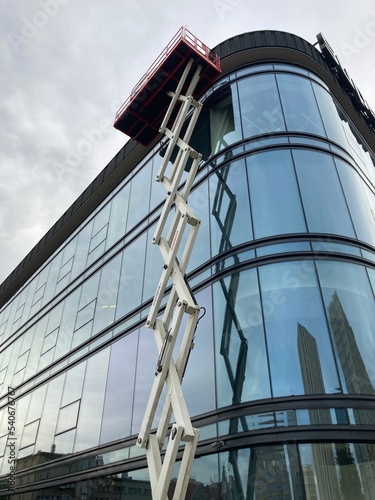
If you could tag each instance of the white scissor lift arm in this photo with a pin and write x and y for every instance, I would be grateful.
(181, 303)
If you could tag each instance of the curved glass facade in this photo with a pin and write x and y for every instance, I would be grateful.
(285, 269)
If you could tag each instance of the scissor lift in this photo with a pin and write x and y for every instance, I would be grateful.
(166, 102)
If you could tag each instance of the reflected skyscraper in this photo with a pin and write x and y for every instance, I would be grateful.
(355, 373)
(323, 453)
(357, 381)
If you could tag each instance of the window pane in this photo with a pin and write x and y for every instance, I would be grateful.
(360, 211)
(296, 330)
(261, 473)
(158, 192)
(241, 362)
(49, 416)
(200, 368)
(120, 389)
(331, 119)
(224, 120)
(29, 434)
(230, 209)
(299, 105)
(350, 307)
(85, 315)
(90, 414)
(73, 384)
(275, 202)
(198, 200)
(139, 197)
(260, 105)
(324, 202)
(154, 264)
(82, 249)
(119, 214)
(147, 356)
(67, 417)
(320, 474)
(338, 470)
(131, 279)
(64, 442)
(107, 294)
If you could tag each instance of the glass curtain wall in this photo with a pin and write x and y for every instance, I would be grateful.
(285, 269)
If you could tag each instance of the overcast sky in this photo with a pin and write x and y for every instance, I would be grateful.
(67, 65)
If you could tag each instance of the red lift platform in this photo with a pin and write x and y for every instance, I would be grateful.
(142, 113)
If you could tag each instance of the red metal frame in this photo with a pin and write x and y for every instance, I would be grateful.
(182, 34)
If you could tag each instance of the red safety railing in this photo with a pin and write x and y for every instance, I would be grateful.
(192, 41)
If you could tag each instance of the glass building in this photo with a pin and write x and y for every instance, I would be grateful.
(281, 381)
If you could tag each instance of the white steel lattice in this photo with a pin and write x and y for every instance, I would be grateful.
(180, 304)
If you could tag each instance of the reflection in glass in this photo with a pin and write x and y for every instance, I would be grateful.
(73, 383)
(349, 302)
(299, 105)
(63, 443)
(260, 105)
(118, 217)
(198, 200)
(337, 471)
(67, 417)
(199, 379)
(153, 266)
(279, 212)
(67, 324)
(147, 356)
(45, 438)
(224, 120)
(359, 208)
(330, 115)
(241, 362)
(293, 246)
(29, 434)
(324, 203)
(90, 414)
(82, 249)
(321, 471)
(139, 197)
(261, 473)
(119, 394)
(230, 207)
(21, 409)
(106, 302)
(296, 330)
(131, 276)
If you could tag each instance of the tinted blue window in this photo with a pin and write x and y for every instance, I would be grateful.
(139, 199)
(90, 413)
(350, 308)
(260, 105)
(241, 361)
(200, 370)
(106, 302)
(131, 276)
(323, 200)
(300, 354)
(360, 211)
(119, 394)
(275, 201)
(225, 126)
(331, 119)
(230, 208)
(298, 101)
